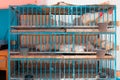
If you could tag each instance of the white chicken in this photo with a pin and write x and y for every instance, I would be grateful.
(90, 17)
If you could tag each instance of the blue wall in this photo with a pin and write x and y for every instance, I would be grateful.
(4, 22)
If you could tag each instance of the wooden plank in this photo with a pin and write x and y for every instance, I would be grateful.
(88, 30)
(53, 27)
(40, 30)
(63, 56)
(61, 30)
(56, 27)
(12, 52)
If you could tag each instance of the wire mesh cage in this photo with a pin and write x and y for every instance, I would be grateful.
(62, 42)
(62, 69)
(62, 16)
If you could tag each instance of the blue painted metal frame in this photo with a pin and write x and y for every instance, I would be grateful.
(9, 29)
(115, 40)
(70, 11)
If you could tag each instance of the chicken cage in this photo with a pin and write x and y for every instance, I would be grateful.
(62, 42)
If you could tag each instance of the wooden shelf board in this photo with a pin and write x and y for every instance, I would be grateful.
(39, 30)
(62, 29)
(63, 56)
(54, 26)
(57, 27)
(88, 30)
(14, 52)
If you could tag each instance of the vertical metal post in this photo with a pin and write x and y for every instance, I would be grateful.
(9, 29)
(73, 63)
(115, 40)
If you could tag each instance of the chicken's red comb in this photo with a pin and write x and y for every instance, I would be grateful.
(101, 13)
(110, 11)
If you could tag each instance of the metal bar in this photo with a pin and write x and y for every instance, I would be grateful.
(79, 69)
(44, 42)
(32, 63)
(14, 69)
(45, 71)
(73, 42)
(36, 69)
(9, 42)
(60, 69)
(92, 68)
(59, 18)
(50, 71)
(55, 69)
(55, 21)
(51, 42)
(84, 13)
(65, 16)
(87, 68)
(32, 21)
(115, 41)
(36, 17)
(41, 43)
(40, 17)
(76, 19)
(23, 68)
(68, 16)
(27, 66)
(18, 67)
(69, 69)
(94, 16)
(64, 69)
(59, 42)
(64, 42)
(73, 62)
(69, 45)
(41, 70)
(55, 43)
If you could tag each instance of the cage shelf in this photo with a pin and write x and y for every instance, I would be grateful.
(88, 30)
(56, 27)
(60, 29)
(82, 56)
